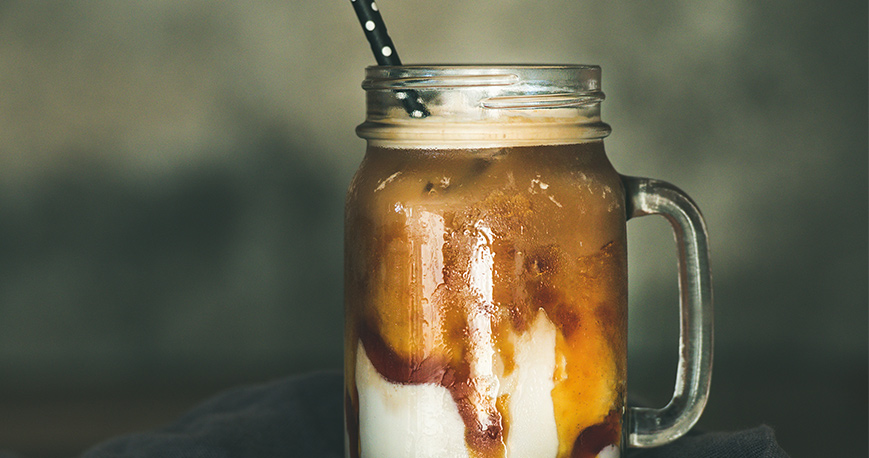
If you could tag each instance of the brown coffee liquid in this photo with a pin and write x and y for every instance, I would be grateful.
(450, 254)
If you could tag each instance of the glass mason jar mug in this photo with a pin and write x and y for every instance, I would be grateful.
(486, 272)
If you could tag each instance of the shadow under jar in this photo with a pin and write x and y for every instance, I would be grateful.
(486, 272)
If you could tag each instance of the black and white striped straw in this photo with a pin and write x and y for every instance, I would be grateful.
(384, 51)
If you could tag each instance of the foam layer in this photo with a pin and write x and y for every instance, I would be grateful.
(505, 132)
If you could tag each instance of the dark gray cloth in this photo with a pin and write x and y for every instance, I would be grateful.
(295, 417)
(302, 417)
(757, 442)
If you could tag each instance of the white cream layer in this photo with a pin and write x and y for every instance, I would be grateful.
(422, 420)
(405, 421)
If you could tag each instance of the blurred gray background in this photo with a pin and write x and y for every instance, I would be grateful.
(172, 178)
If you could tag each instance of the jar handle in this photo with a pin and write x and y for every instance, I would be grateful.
(652, 427)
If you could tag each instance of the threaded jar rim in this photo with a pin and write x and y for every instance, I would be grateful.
(492, 104)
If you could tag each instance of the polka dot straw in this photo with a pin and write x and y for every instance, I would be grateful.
(384, 51)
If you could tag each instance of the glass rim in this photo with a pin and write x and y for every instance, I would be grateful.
(484, 66)
(484, 104)
(580, 77)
